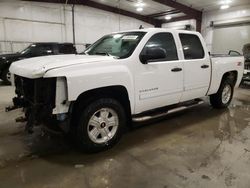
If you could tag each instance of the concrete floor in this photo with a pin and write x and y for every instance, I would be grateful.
(201, 147)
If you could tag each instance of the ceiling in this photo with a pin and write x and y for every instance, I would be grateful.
(156, 12)
(212, 4)
(159, 9)
(151, 7)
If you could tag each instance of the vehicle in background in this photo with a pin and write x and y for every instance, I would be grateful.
(33, 50)
(123, 77)
(246, 53)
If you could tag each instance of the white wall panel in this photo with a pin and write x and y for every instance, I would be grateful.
(17, 30)
(180, 24)
(221, 15)
(127, 24)
(43, 32)
(40, 22)
(46, 12)
(92, 24)
(239, 36)
(15, 10)
(2, 32)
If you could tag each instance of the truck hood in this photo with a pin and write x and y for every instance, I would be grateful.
(38, 66)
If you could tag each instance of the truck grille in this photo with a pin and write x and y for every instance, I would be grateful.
(36, 91)
(37, 95)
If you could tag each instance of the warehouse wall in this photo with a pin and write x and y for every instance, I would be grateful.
(24, 22)
(231, 14)
(181, 24)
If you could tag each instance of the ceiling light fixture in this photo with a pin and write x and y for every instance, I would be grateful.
(224, 7)
(168, 17)
(140, 4)
(226, 2)
(139, 9)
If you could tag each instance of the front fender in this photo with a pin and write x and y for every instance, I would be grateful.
(82, 80)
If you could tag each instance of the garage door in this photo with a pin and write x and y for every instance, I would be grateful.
(230, 38)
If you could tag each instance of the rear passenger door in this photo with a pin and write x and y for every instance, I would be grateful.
(196, 65)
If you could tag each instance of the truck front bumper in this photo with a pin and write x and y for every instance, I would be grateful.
(36, 97)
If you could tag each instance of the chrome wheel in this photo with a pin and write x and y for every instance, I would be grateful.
(8, 76)
(226, 94)
(103, 125)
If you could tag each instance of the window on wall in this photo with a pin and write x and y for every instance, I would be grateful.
(191, 46)
(166, 42)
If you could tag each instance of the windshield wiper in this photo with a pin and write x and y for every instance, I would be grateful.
(103, 53)
(83, 53)
(100, 53)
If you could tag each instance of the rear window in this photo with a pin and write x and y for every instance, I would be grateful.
(192, 47)
(67, 49)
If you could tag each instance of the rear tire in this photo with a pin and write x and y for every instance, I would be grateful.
(100, 125)
(224, 95)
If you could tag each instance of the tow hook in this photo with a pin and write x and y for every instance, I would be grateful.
(10, 108)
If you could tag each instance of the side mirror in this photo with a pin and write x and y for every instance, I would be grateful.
(152, 53)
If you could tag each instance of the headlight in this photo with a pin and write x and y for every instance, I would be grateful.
(38, 72)
(4, 60)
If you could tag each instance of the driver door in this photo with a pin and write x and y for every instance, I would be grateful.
(160, 80)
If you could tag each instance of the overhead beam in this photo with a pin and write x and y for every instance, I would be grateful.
(176, 19)
(190, 12)
(165, 13)
(104, 7)
(178, 6)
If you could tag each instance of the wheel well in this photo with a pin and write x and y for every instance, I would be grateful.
(232, 76)
(117, 92)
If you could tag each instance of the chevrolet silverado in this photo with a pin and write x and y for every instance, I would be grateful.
(123, 77)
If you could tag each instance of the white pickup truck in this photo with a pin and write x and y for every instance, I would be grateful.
(125, 76)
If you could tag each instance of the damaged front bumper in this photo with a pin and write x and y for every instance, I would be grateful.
(37, 97)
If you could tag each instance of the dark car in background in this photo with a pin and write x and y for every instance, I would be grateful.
(33, 50)
(246, 53)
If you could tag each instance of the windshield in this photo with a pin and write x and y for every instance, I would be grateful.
(28, 49)
(119, 45)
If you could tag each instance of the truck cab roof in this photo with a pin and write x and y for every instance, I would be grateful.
(158, 30)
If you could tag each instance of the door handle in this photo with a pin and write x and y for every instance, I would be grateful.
(177, 69)
(204, 66)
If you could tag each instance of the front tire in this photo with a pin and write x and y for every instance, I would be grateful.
(6, 76)
(224, 95)
(100, 125)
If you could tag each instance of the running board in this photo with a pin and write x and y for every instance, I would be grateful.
(162, 114)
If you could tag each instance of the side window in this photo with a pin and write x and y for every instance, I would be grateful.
(166, 42)
(43, 50)
(192, 46)
(66, 49)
